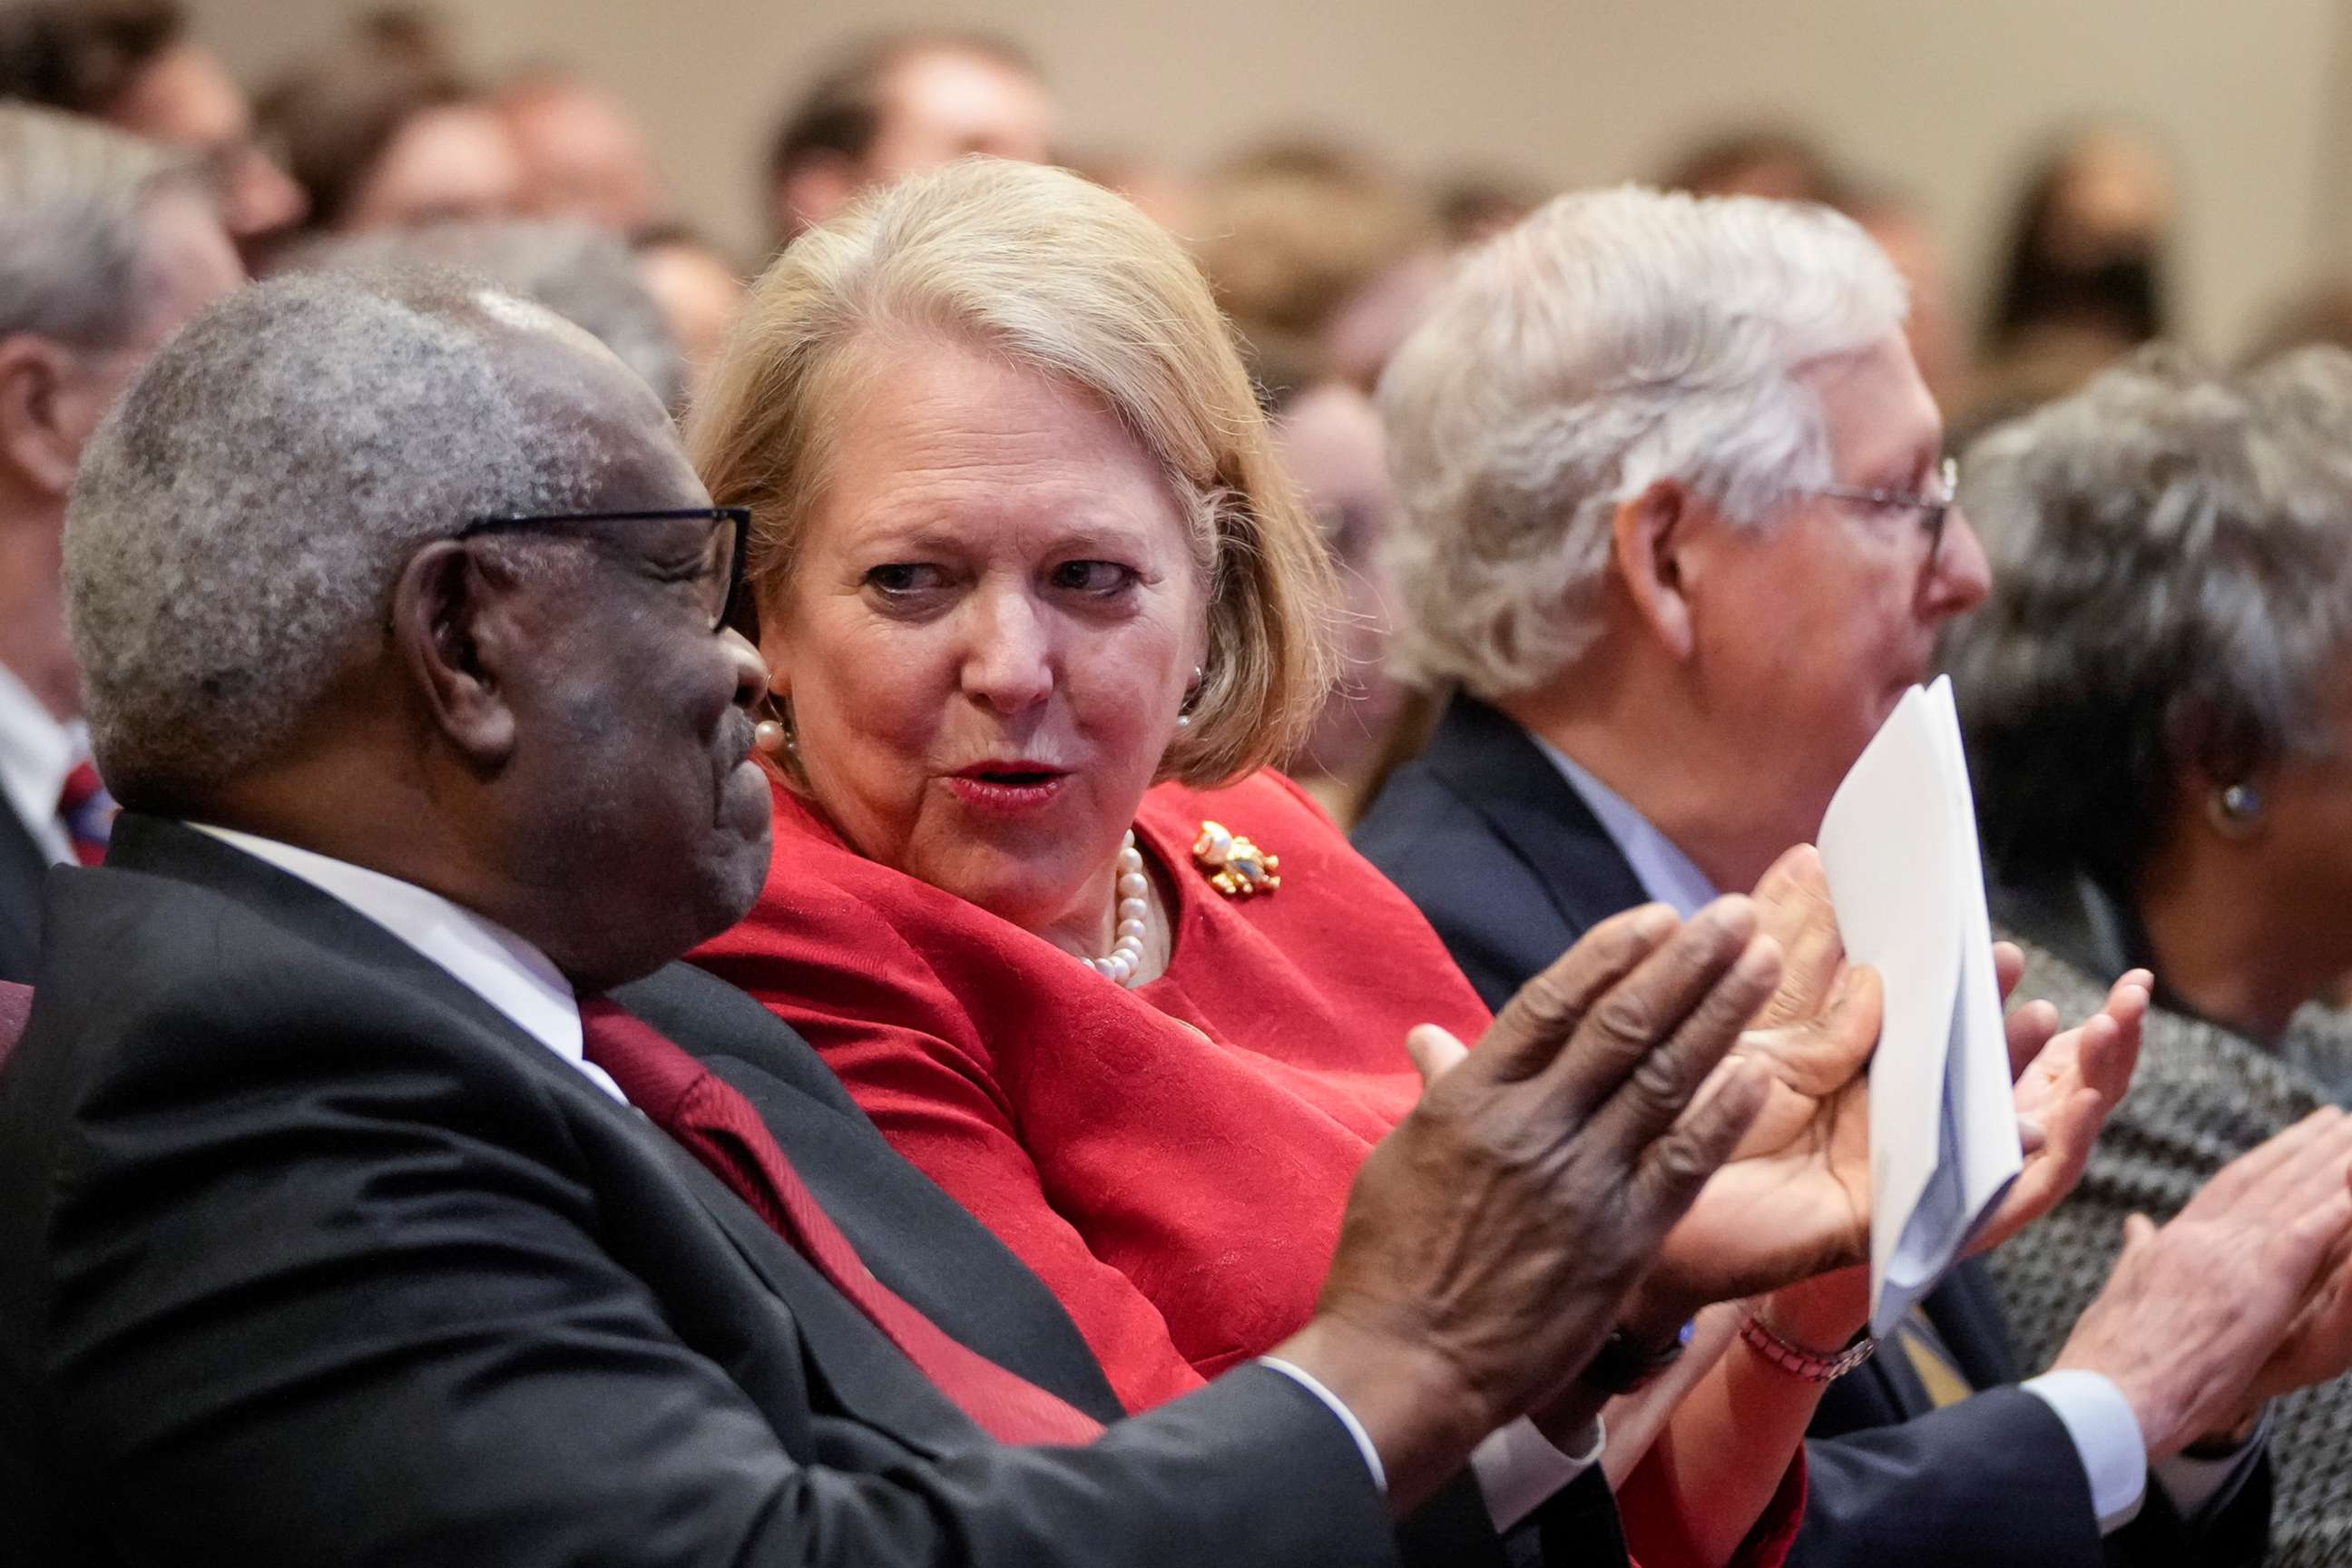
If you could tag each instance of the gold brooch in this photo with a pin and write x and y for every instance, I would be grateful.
(1235, 867)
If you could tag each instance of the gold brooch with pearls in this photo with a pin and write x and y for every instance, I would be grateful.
(1234, 867)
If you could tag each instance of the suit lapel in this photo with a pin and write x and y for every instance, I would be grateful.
(855, 1365)
(860, 1374)
(1486, 759)
(23, 870)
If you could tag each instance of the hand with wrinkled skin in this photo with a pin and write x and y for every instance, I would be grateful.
(1795, 1201)
(1492, 1240)
(2234, 1298)
(2317, 1346)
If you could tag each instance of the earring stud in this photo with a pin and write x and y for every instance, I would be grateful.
(2236, 810)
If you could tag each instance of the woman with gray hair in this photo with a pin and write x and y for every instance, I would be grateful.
(2157, 698)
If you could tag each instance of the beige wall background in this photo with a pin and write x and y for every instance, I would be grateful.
(1949, 100)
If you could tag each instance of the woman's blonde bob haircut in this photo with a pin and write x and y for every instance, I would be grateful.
(1062, 277)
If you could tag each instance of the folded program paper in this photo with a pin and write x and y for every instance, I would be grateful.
(1899, 845)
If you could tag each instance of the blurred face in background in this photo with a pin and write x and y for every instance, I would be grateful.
(1930, 327)
(940, 106)
(452, 161)
(700, 294)
(185, 98)
(1331, 444)
(583, 156)
(2115, 198)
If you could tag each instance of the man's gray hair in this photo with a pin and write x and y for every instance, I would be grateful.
(581, 273)
(74, 196)
(2171, 554)
(242, 513)
(1613, 338)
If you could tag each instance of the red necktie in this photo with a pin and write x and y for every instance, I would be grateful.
(87, 813)
(720, 1127)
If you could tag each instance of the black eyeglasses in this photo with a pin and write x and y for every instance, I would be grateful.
(1934, 507)
(723, 570)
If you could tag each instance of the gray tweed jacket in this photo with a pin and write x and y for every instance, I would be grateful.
(2202, 1096)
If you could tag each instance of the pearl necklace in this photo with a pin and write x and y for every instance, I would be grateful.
(1125, 961)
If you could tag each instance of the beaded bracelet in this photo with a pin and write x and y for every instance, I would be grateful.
(1798, 1362)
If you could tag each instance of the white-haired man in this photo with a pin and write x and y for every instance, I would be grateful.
(1678, 525)
(106, 244)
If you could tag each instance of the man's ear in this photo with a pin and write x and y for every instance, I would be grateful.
(36, 434)
(1651, 534)
(442, 607)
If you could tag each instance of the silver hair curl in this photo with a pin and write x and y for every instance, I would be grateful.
(1613, 338)
(73, 198)
(581, 273)
(2172, 594)
(242, 512)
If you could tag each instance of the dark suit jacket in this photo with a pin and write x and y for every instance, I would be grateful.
(23, 871)
(309, 1255)
(1511, 866)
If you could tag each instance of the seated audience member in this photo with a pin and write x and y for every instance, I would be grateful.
(1329, 440)
(330, 1230)
(1167, 194)
(107, 245)
(584, 274)
(1475, 206)
(2086, 277)
(584, 154)
(899, 104)
(2159, 705)
(1674, 518)
(133, 64)
(381, 132)
(1900, 226)
(1039, 606)
(1290, 233)
(699, 289)
(1776, 161)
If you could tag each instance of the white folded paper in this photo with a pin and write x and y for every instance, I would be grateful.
(1899, 845)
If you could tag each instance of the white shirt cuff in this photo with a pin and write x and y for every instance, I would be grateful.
(1347, 1417)
(2107, 1438)
(1519, 1468)
(2196, 1486)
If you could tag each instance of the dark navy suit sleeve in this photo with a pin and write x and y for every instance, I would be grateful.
(1510, 868)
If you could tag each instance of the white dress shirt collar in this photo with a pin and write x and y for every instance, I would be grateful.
(1665, 873)
(486, 958)
(37, 752)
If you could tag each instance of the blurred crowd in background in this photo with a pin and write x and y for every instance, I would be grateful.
(396, 140)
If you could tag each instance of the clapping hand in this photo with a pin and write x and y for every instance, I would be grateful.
(1794, 1200)
(2239, 1297)
(2067, 1084)
(1492, 1240)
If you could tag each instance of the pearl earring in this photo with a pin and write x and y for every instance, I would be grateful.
(1185, 712)
(2236, 810)
(776, 735)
